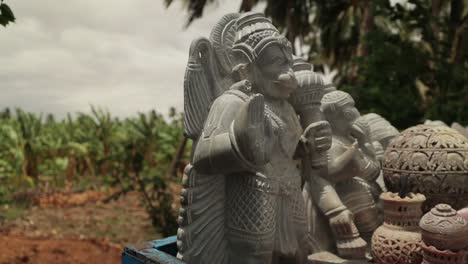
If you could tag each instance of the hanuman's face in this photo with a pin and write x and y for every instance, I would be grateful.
(276, 77)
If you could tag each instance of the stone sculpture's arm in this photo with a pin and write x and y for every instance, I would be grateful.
(369, 166)
(321, 180)
(321, 190)
(236, 135)
(217, 150)
(339, 157)
(329, 203)
(325, 196)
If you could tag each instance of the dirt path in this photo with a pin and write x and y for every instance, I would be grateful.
(123, 221)
(90, 233)
(21, 249)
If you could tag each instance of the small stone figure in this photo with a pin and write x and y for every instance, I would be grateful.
(433, 160)
(375, 151)
(343, 194)
(397, 241)
(242, 198)
(444, 235)
(381, 130)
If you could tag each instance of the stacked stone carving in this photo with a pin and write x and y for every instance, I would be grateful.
(432, 160)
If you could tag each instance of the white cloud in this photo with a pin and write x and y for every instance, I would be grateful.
(126, 56)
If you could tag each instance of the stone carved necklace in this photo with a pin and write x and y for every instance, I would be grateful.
(283, 117)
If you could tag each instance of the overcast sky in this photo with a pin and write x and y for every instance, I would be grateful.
(124, 55)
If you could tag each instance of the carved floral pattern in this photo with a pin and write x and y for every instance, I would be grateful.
(435, 161)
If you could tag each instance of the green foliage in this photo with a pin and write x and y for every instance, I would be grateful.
(93, 149)
(159, 202)
(407, 61)
(415, 69)
(385, 87)
(6, 15)
(13, 212)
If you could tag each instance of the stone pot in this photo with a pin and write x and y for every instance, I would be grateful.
(397, 241)
(445, 236)
(432, 160)
(444, 229)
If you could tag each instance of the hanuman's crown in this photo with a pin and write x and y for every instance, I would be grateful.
(335, 99)
(254, 33)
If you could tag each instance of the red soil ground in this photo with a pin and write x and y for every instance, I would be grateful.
(22, 249)
(74, 229)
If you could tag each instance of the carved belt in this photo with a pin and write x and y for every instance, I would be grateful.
(284, 186)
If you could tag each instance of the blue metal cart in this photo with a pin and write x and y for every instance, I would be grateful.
(161, 251)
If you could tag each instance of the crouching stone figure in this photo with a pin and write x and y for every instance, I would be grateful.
(343, 195)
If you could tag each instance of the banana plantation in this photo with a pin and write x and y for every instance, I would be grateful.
(144, 153)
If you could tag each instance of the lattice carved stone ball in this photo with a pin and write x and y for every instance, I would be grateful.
(432, 160)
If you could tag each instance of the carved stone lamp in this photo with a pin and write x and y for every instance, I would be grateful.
(432, 160)
(445, 236)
